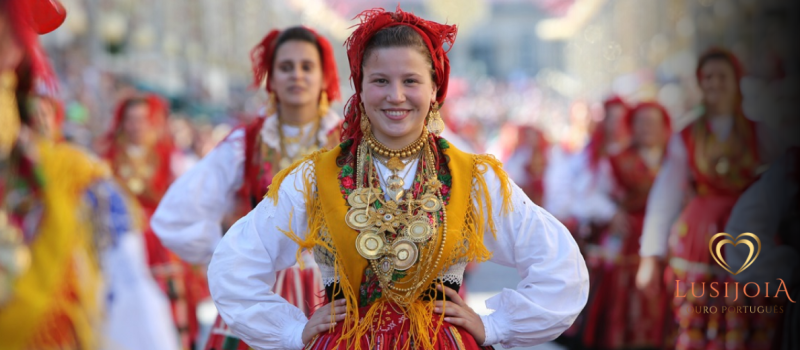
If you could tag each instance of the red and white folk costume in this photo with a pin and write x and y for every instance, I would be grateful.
(231, 179)
(145, 172)
(388, 308)
(639, 320)
(711, 161)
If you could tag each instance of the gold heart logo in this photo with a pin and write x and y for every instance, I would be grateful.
(716, 250)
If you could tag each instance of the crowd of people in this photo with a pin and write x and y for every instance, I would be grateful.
(315, 229)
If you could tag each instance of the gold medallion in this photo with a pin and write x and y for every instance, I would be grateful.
(361, 197)
(419, 230)
(430, 203)
(369, 244)
(359, 218)
(405, 254)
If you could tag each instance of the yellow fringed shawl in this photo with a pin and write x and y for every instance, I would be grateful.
(62, 258)
(469, 214)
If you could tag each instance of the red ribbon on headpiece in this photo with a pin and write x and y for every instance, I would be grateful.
(264, 53)
(434, 34)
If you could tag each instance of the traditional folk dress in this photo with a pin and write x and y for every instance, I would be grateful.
(711, 161)
(621, 317)
(236, 175)
(51, 280)
(145, 173)
(487, 217)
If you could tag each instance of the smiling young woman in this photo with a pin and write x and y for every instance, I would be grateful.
(393, 215)
(300, 73)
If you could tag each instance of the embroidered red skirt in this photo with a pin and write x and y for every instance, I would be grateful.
(620, 316)
(302, 288)
(690, 261)
(394, 334)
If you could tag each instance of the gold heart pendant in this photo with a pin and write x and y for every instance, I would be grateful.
(716, 250)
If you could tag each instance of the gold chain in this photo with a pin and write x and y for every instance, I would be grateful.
(405, 152)
(425, 259)
(284, 141)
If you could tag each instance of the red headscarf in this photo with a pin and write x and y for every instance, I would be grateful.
(714, 53)
(157, 119)
(435, 36)
(718, 53)
(263, 54)
(631, 115)
(615, 100)
(162, 146)
(598, 139)
(27, 20)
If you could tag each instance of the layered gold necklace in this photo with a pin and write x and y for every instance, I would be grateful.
(392, 160)
(303, 149)
(397, 233)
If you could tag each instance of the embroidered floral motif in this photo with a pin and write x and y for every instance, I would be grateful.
(371, 288)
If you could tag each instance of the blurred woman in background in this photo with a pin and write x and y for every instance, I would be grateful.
(710, 163)
(638, 320)
(300, 72)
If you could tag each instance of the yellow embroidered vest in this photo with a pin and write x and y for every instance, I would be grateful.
(468, 212)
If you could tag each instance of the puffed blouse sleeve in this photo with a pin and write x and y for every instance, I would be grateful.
(188, 220)
(243, 267)
(555, 282)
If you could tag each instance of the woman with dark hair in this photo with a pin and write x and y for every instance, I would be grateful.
(301, 78)
(636, 322)
(393, 215)
(710, 162)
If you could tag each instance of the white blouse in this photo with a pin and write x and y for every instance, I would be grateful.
(188, 220)
(553, 290)
(666, 198)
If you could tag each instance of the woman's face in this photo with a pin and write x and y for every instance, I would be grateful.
(649, 129)
(718, 82)
(397, 92)
(44, 116)
(135, 123)
(297, 74)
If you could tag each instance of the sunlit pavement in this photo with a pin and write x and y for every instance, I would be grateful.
(489, 279)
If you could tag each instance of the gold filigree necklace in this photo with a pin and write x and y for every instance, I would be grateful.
(398, 233)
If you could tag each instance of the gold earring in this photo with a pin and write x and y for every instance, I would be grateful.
(272, 104)
(324, 104)
(365, 125)
(435, 122)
